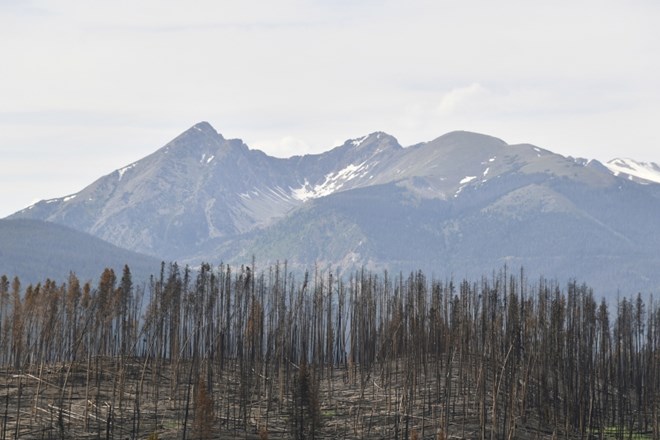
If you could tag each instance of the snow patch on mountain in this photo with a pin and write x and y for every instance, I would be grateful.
(648, 171)
(122, 171)
(357, 142)
(464, 182)
(332, 183)
(205, 159)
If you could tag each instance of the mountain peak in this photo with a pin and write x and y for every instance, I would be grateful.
(461, 137)
(201, 138)
(462, 146)
(376, 142)
(204, 128)
(369, 138)
(199, 134)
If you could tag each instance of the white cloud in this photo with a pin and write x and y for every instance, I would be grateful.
(461, 97)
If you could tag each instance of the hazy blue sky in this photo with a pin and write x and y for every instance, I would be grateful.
(89, 86)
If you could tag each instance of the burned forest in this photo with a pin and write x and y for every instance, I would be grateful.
(236, 352)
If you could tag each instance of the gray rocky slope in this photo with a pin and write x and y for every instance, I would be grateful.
(462, 204)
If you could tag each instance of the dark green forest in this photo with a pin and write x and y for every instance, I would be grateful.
(236, 352)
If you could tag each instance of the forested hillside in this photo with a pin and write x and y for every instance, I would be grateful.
(236, 352)
(35, 250)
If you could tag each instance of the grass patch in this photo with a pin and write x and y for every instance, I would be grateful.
(614, 431)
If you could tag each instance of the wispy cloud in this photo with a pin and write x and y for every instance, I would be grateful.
(460, 97)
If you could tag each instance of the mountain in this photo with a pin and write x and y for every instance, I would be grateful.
(462, 204)
(35, 250)
(201, 186)
(466, 204)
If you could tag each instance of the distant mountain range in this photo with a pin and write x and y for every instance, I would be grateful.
(462, 204)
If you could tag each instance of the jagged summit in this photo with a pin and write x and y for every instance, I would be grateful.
(377, 137)
(372, 144)
(201, 136)
(204, 128)
(203, 145)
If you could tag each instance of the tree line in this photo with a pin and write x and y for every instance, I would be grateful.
(271, 354)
